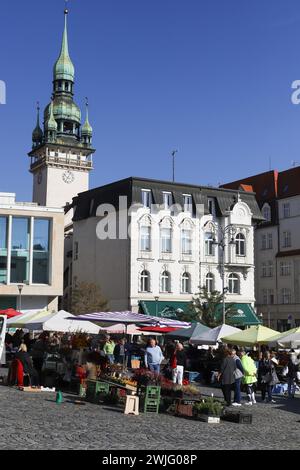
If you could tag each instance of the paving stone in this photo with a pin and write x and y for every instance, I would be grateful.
(37, 422)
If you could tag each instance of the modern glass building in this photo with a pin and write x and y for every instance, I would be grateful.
(31, 254)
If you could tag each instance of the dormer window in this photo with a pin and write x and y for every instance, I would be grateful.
(266, 212)
(167, 200)
(211, 206)
(146, 198)
(187, 203)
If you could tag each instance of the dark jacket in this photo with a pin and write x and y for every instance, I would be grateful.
(228, 367)
(267, 372)
(26, 361)
(181, 358)
(292, 370)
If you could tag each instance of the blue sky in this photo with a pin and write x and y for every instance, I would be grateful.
(209, 77)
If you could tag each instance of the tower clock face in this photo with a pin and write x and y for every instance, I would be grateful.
(40, 177)
(68, 177)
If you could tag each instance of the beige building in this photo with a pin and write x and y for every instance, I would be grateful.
(31, 255)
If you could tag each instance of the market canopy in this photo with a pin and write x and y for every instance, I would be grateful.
(21, 320)
(186, 333)
(10, 313)
(280, 337)
(62, 322)
(165, 309)
(157, 329)
(121, 328)
(211, 337)
(131, 317)
(253, 335)
(239, 314)
(290, 341)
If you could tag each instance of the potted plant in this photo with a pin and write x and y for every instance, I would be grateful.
(208, 410)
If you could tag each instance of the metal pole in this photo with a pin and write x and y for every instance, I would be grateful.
(173, 156)
(173, 167)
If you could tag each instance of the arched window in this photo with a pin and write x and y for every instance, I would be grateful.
(240, 245)
(209, 282)
(185, 283)
(145, 281)
(266, 212)
(233, 284)
(165, 282)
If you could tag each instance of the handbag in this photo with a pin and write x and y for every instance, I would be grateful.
(266, 378)
(238, 374)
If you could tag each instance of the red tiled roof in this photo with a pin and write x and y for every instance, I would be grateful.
(289, 183)
(247, 187)
(265, 185)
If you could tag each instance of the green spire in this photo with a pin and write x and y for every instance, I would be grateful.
(51, 124)
(64, 68)
(37, 135)
(87, 128)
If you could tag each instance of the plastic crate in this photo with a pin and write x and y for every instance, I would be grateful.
(151, 405)
(151, 408)
(152, 392)
(239, 417)
(101, 387)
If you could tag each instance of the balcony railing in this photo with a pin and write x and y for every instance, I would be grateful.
(53, 160)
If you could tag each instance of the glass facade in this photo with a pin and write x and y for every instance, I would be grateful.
(26, 250)
(20, 244)
(3, 249)
(41, 248)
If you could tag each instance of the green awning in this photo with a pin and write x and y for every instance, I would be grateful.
(163, 309)
(242, 314)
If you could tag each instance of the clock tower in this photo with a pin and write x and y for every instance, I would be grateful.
(61, 155)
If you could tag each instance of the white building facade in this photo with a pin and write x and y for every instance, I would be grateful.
(171, 250)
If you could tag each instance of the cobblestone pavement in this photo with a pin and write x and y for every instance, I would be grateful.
(35, 421)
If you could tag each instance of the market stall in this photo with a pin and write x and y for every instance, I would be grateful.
(213, 336)
(255, 335)
(62, 322)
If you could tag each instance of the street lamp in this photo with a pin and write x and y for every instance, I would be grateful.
(156, 305)
(222, 243)
(20, 288)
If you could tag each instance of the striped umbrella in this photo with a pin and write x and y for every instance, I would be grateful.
(132, 317)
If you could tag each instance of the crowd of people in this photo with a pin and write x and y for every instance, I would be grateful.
(239, 369)
(235, 369)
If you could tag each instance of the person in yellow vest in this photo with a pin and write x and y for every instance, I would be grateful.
(109, 348)
(250, 378)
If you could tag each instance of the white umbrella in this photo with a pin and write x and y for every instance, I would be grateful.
(62, 322)
(213, 336)
(290, 341)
